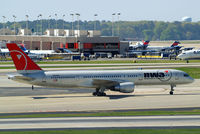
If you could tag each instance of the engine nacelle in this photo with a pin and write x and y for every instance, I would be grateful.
(126, 87)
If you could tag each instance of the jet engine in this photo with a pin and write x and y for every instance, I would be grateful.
(125, 87)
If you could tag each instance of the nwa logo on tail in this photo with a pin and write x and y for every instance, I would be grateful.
(19, 57)
(161, 75)
(21, 60)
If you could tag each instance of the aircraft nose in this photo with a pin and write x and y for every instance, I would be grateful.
(10, 77)
(179, 56)
(190, 80)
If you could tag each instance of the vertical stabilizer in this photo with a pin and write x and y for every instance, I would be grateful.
(175, 43)
(22, 61)
(146, 42)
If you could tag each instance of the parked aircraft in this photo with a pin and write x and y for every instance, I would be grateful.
(145, 46)
(32, 52)
(4, 50)
(116, 80)
(36, 56)
(174, 46)
(139, 45)
(41, 52)
(64, 50)
(190, 54)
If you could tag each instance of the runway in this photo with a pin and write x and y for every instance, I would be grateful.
(19, 98)
(100, 122)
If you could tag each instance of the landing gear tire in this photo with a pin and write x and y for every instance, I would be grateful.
(94, 93)
(99, 94)
(171, 92)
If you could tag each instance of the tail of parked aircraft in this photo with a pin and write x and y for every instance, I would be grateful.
(175, 43)
(146, 42)
(22, 46)
(22, 62)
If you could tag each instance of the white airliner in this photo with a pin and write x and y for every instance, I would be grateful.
(191, 54)
(4, 50)
(139, 45)
(38, 52)
(116, 80)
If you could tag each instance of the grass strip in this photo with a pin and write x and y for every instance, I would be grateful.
(108, 113)
(193, 72)
(109, 131)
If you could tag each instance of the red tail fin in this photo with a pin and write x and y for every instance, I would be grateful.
(146, 42)
(21, 60)
(175, 43)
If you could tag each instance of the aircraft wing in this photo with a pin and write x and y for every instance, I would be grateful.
(136, 51)
(107, 83)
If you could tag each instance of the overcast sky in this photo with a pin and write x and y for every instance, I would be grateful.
(131, 10)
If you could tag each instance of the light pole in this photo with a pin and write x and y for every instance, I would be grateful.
(4, 18)
(113, 23)
(63, 20)
(14, 24)
(118, 14)
(37, 25)
(41, 24)
(56, 21)
(56, 25)
(49, 22)
(27, 25)
(78, 15)
(95, 21)
(72, 24)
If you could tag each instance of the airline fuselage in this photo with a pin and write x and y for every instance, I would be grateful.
(87, 78)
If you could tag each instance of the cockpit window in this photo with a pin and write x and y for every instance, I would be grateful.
(186, 75)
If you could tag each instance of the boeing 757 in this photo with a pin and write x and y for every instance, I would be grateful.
(116, 80)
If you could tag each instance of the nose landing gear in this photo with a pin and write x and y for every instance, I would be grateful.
(172, 89)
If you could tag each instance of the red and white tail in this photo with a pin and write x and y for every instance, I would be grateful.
(146, 42)
(175, 43)
(22, 61)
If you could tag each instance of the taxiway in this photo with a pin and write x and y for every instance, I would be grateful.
(100, 122)
(19, 98)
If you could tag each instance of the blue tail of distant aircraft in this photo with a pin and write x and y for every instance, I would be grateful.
(22, 46)
(64, 50)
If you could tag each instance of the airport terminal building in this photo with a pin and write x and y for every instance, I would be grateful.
(77, 41)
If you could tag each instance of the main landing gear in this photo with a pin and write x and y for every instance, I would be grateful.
(172, 89)
(99, 92)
